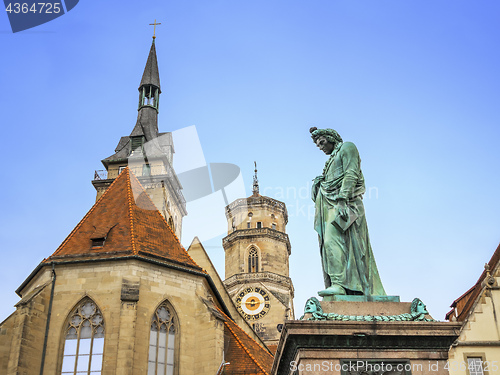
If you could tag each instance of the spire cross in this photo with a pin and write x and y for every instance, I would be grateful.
(154, 28)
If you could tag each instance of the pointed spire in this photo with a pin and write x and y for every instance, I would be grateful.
(151, 76)
(255, 189)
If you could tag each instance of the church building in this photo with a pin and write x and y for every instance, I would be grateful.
(121, 295)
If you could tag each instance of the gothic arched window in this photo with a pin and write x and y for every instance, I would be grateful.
(162, 341)
(84, 340)
(253, 260)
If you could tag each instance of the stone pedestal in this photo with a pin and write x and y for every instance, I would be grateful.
(364, 347)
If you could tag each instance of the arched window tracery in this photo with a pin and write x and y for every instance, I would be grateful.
(84, 340)
(253, 260)
(162, 341)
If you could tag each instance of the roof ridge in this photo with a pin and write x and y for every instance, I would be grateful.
(131, 216)
(163, 218)
(68, 237)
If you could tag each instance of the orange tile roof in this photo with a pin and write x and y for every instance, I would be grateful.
(131, 225)
(463, 304)
(244, 354)
(273, 348)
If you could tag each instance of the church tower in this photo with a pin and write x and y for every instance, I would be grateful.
(148, 153)
(257, 249)
(121, 295)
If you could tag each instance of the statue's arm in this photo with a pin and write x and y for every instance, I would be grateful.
(352, 169)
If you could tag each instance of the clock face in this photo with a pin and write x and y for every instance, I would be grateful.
(253, 303)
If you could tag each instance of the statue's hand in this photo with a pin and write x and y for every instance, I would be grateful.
(342, 208)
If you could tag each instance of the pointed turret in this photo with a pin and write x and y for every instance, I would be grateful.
(146, 127)
(148, 152)
(149, 89)
(151, 76)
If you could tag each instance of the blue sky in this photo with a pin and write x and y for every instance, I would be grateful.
(414, 84)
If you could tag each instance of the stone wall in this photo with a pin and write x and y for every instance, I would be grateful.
(22, 334)
(273, 255)
(127, 322)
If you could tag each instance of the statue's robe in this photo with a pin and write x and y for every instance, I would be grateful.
(347, 257)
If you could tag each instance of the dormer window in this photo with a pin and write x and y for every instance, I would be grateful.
(98, 242)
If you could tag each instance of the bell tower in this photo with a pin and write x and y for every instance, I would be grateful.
(148, 153)
(257, 251)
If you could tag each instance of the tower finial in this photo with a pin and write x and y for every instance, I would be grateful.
(255, 189)
(154, 29)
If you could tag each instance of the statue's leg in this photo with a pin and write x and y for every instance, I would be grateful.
(326, 277)
(363, 259)
(334, 260)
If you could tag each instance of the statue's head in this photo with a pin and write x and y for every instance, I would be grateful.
(417, 306)
(325, 139)
(313, 306)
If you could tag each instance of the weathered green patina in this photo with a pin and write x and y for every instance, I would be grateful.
(418, 312)
(348, 263)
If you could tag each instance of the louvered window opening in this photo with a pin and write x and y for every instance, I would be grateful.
(136, 143)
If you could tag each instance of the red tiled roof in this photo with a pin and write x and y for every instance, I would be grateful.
(273, 348)
(244, 354)
(131, 225)
(463, 304)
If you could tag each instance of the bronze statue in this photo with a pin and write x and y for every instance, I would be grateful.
(348, 263)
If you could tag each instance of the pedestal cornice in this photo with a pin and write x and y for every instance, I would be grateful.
(331, 336)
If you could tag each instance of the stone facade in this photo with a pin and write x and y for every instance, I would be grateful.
(127, 322)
